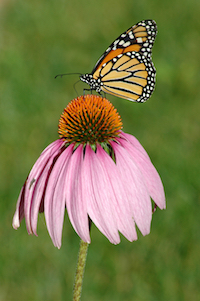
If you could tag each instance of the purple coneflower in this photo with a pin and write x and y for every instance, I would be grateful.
(97, 172)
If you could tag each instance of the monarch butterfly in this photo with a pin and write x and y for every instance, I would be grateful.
(125, 69)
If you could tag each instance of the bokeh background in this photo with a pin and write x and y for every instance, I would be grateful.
(42, 38)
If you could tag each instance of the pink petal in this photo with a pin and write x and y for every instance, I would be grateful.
(54, 201)
(134, 185)
(131, 139)
(30, 182)
(19, 212)
(150, 174)
(35, 184)
(99, 196)
(73, 191)
(125, 222)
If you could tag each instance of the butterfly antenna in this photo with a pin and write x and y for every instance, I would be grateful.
(61, 75)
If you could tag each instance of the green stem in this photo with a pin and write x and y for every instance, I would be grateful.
(80, 270)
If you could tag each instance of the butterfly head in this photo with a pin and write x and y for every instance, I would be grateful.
(95, 84)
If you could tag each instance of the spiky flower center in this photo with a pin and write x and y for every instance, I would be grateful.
(89, 119)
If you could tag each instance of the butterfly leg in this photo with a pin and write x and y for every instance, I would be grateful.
(87, 90)
(104, 93)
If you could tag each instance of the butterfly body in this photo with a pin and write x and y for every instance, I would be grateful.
(126, 69)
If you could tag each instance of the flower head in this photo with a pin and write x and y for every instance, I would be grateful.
(95, 171)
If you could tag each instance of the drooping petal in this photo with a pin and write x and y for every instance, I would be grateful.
(35, 184)
(73, 192)
(98, 194)
(54, 200)
(151, 176)
(28, 187)
(134, 185)
(125, 222)
(134, 142)
(19, 212)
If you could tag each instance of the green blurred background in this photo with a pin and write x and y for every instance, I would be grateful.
(42, 38)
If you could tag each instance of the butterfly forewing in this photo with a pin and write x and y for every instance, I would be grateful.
(139, 37)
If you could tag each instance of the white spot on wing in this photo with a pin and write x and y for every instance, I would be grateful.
(126, 44)
(121, 42)
(139, 40)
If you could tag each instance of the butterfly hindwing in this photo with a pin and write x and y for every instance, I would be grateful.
(131, 76)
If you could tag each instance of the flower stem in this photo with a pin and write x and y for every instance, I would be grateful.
(80, 270)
